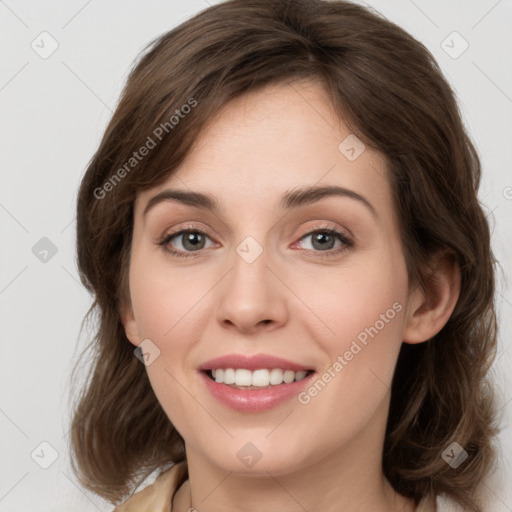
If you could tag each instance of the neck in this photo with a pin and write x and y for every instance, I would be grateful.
(349, 480)
(384, 499)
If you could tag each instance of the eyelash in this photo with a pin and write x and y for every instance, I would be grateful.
(346, 241)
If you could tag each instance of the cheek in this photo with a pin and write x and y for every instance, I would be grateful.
(352, 298)
(361, 308)
(165, 301)
(364, 311)
(163, 298)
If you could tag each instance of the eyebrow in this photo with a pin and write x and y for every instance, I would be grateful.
(292, 199)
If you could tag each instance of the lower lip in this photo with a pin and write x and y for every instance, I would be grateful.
(254, 400)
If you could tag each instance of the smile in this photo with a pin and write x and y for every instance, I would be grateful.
(255, 399)
(262, 378)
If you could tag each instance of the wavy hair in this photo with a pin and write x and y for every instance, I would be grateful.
(389, 90)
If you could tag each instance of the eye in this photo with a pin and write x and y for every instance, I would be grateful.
(191, 240)
(323, 240)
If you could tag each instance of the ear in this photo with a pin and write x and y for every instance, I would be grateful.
(429, 310)
(130, 325)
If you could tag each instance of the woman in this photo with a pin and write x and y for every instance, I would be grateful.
(292, 272)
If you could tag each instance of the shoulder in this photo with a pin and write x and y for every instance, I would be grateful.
(445, 504)
(157, 497)
(438, 504)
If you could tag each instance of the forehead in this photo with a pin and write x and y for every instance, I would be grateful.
(269, 141)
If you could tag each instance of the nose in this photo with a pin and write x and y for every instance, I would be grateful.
(252, 298)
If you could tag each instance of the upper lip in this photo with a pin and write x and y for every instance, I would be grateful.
(255, 362)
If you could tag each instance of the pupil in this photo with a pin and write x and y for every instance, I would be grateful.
(191, 238)
(321, 237)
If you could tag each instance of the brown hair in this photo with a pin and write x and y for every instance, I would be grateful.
(389, 90)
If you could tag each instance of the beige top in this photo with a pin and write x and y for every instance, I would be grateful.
(158, 496)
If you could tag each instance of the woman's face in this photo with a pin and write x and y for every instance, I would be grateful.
(260, 275)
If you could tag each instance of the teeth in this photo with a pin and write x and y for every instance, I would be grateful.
(258, 378)
(229, 376)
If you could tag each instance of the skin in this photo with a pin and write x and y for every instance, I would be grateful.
(289, 302)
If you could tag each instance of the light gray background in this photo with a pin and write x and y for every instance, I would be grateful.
(53, 113)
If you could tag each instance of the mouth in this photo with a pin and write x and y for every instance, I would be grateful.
(263, 378)
(254, 383)
(255, 391)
